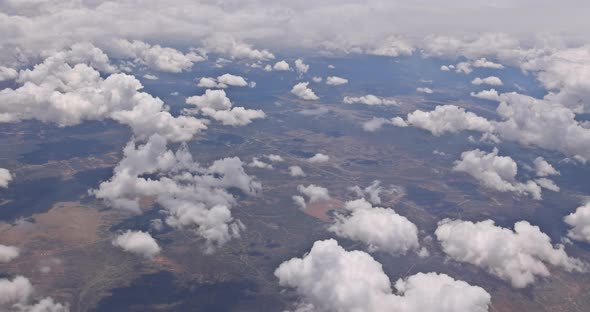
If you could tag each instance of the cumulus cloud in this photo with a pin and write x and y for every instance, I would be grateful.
(496, 172)
(392, 46)
(7, 253)
(318, 158)
(373, 191)
(317, 79)
(484, 63)
(5, 177)
(445, 118)
(56, 91)
(235, 49)
(314, 193)
(296, 171)
(155, 57)
(381, 229)
(191, 196)
(369, 99)
(281, 66)
(302, 91)
(274, 157)
(257, 163)
(522, 118)
(138, 242)
(215, 104)
(7, 73)
(492, 81)
(517, 256)
(329, 278)
(377, 123)
(223, 81)
(543, 168)
(336, 81)
(579, 221)
(491, 95)
(150, 77)
(424, 90)
(17, 295)
(301, 67)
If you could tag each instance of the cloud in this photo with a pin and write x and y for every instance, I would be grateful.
(381, 229)
(491, 95)
(424, 90)
(336, 81)
(369, 99)
(215, 104)
(16, 295)
(150, 77)
(372, 192)
(317, 79)
(155, 57)
(222, 81)
(484, 63)
(303, 92)
(318, 158)
(56, 91)
(543, 168)
(495, 172)
(314, 193)
(235, 49)
(579, 221)
(301, 67)
(281, 66)
(296, 171)
(5, 177)
(274, 157)
(375, 124)
(8, 253)
(257, 163)
(463, 67)
(329, 278)
(7, 73)
(138, 242)
(190, 196)
(517, 256)
(492, 81)
(392, 46)
(446, 118)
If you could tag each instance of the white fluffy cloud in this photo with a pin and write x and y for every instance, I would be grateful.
(302, 91)
(496, 172)
(424, 90)
(491, 95)
(329, 278)
(5, 177)
(17, 295)
(336, 81)
(314, 193)
(318, 158)
(301, 67)
(445, 118)
(543, 168)
(296, 171)
(58, 92)
(7, 73)
(155, 57)
(579, 221)
(257, 163)
(190, 195)
(381, 229)
(517, 256)
(376, 123)
(215, 104)
(369, 99)
(223, 81)
(492, 81)
(274, 157)
(7, 253)
(281, 66)
(138, 242)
